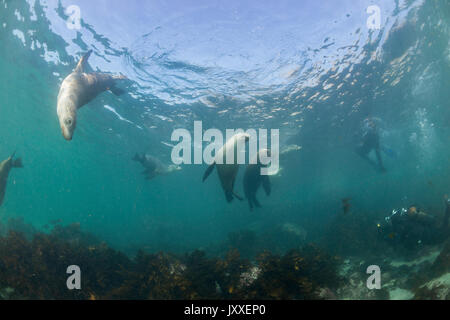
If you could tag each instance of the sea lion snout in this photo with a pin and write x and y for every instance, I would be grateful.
(68, 127)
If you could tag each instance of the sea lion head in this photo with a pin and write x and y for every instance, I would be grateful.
(67, 118)
(242, 136)
(68, 124)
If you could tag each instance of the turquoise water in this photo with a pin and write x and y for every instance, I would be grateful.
(313, 71)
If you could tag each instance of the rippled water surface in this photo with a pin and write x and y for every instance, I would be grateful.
(312, 69)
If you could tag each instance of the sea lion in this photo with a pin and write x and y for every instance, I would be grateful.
(227, 172)
(253, 179)
(153, 166)
(77, 89)
(5, 168)
(284, 154)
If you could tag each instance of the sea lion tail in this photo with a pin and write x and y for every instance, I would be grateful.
(208, 171)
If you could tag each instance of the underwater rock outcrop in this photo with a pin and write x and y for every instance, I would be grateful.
(439, 287)
(299, 274)
(442, 263)
(354, 234)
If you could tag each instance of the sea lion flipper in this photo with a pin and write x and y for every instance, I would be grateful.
(266, 184)
(250, 204)
(82, 63)
(238, 196)
(256, 202)
(208, 171)
(18, 163)
(117, 91)
(119, 77)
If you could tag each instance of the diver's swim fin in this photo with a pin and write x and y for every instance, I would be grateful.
(389, 152)
(208, 171)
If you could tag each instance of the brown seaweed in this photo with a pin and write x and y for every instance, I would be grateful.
(36, 269)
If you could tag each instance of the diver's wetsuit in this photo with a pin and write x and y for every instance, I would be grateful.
(371, 141)
(410, 230)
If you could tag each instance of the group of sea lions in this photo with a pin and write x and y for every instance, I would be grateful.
(228, 172)
(80, 87)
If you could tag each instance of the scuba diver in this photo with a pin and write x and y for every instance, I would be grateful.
(411, 227)
(371, 141)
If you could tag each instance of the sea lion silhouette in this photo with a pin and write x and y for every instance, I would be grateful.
(153, 166)
(5, 168)
(253, 179)
(227, 172)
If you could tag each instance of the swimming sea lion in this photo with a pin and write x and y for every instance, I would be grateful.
(153, 166)
(77, 89)
(5, 168)
(227, 172)
(253, 179)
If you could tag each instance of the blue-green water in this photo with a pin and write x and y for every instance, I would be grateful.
(314, 71)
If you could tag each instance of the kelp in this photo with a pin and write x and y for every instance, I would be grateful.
(36, 268)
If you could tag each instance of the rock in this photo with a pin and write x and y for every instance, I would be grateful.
(436, 289)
